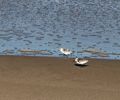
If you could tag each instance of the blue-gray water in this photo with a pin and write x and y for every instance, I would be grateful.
(88, 27)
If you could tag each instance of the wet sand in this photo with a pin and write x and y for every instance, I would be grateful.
(47, 78)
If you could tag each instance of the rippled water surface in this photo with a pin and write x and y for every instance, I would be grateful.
(90, 28)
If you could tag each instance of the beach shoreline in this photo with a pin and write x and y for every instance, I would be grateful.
(57, 78)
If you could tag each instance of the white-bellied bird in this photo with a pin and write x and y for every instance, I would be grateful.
(79, 61)
(65, 51)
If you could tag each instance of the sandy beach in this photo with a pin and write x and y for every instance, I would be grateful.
(49, 78)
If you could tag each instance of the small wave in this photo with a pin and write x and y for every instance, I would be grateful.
(28, 51)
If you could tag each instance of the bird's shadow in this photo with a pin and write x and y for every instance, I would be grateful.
(82, 66)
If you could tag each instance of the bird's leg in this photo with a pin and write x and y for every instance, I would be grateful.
(66, 56)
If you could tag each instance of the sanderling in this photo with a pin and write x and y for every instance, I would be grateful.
(65, 51)
(80, 61)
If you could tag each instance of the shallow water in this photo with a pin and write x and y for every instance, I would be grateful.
(90, 28)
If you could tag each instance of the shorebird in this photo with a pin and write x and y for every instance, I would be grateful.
(81, 62)
(65, 51)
